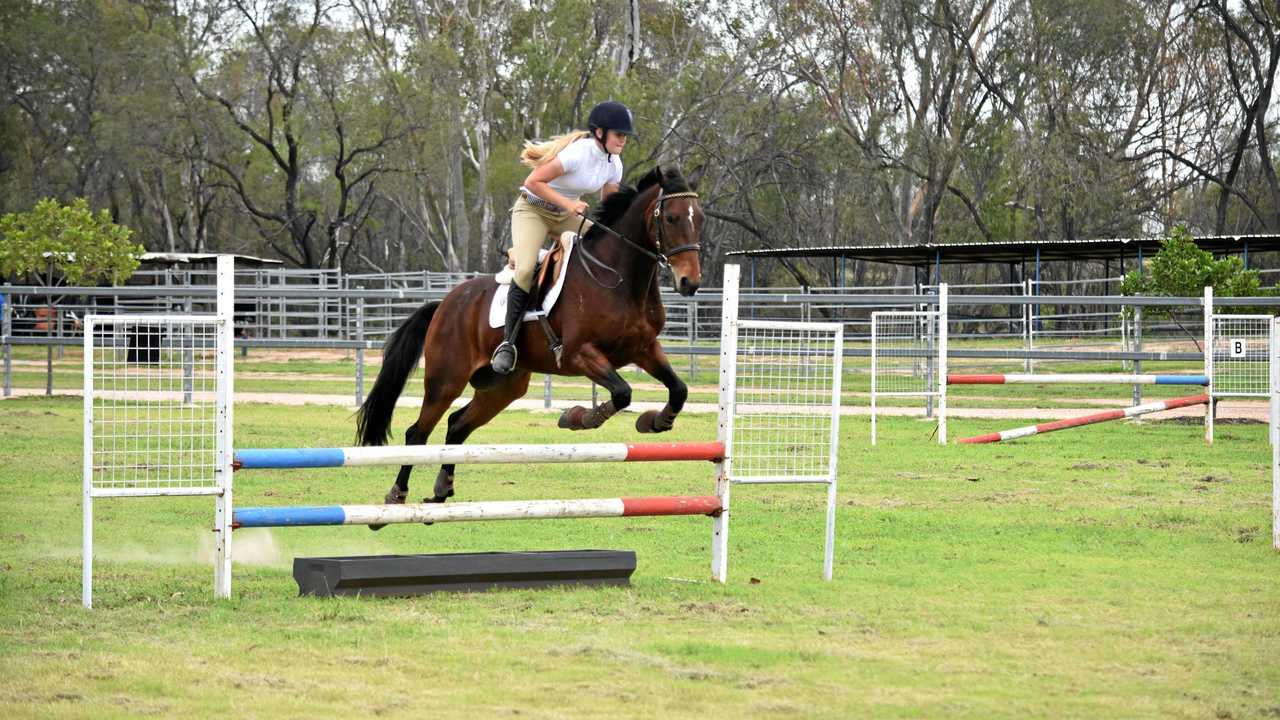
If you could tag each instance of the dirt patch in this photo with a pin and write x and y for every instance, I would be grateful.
(1247, 534)
(285, 355)
(1218, 421)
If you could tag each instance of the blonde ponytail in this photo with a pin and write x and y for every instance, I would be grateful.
(539, 154)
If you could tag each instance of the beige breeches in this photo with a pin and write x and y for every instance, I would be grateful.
(530, 228)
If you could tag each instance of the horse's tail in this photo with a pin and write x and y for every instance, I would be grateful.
(399, 357)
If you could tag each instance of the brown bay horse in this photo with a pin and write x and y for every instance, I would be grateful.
(608, 315)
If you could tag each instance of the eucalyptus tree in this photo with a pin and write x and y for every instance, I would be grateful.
(900, 81)
(1249, 51)
(70, 71)
(1089, 66)
(300, 136)
(443, 64)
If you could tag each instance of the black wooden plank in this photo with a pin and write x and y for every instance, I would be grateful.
(405, 575)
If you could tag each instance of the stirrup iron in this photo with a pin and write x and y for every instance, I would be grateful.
(515, 357)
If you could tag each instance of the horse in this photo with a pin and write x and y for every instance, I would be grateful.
(608, 315)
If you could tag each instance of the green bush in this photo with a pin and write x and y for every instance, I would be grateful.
(83, 246)
(1183, 269)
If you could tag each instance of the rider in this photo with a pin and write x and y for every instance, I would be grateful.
(564, 168)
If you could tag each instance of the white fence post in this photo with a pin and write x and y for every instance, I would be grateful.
(86, 542)
(1137, 345)
(943, 331)
(1274, 355)
(1209, 409)
(1028, 331)
(6, 329)
(359, 351)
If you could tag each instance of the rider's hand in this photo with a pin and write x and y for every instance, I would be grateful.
(579, 207)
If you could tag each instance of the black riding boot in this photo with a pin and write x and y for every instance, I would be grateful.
(504, 358)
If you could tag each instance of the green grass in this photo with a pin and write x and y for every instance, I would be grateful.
(1110, 571)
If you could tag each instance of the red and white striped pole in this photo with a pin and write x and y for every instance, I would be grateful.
(1134, 411)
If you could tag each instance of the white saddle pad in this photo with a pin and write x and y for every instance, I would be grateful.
(498, 308)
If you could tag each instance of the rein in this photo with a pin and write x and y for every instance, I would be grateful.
(661, 257)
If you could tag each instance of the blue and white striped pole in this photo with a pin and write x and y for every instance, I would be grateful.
(473, 511)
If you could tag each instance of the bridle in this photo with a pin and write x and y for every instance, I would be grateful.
(657, 221)
(661, 257)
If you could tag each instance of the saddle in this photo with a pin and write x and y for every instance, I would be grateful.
(548, 270)
(548, 275)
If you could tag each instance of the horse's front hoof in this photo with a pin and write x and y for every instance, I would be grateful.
(648, 422)
(571, 419)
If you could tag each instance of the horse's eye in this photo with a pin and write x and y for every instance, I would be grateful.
(671, 219)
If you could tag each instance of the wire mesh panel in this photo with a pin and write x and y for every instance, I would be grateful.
(908, 358)
(904, 347)
(779, 411)
(1241, 355)
(786, 401)
(151, 393)
(158, 415)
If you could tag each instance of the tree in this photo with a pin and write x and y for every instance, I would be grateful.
(82, 246)
(441, 62)
(383, 134)
(295, 105)
(1223, 132)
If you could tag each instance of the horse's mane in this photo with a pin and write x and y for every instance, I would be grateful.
(617, 204)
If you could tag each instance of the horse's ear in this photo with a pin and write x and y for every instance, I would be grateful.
(695, 177)
(653, 177)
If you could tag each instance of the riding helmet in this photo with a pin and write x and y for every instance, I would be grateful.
(611, 115)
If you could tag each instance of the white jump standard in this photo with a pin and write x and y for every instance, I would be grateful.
(909, 356)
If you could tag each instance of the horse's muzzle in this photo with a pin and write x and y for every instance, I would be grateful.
(685, 287)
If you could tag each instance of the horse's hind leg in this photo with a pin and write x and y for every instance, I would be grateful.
(484, 406)
(589, 361)
(439, 395)
(656, 364)
(412, 436)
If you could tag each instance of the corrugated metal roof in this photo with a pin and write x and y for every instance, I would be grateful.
(1018, 251)
(174, 258)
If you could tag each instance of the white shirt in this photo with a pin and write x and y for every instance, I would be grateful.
(587, 169)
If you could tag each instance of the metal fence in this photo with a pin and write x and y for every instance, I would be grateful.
(279, 308)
